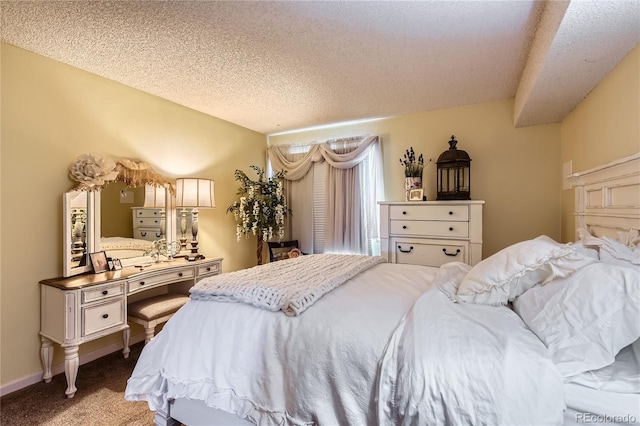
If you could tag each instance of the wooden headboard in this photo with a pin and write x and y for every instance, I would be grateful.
(608, 197)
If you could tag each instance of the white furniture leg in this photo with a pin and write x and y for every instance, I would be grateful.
(46, 355)
(125, 338)
(71, 364)
(162, 418)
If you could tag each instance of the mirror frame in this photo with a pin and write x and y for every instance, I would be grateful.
(94, 233)
(68, 270)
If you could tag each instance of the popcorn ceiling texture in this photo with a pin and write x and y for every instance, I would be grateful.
(273, 66)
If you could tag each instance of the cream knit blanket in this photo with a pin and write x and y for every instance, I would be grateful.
(290, 285)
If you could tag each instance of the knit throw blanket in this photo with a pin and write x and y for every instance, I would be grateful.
(290, 285)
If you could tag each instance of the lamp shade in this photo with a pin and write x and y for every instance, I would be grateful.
(154, 196)
(195, 193)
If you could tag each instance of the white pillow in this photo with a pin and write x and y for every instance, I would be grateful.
(586, 318)
(501, 278)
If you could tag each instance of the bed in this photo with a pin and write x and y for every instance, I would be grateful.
(407, 344)
(124, 248)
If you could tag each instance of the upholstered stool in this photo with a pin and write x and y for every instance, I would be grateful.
(155, 310)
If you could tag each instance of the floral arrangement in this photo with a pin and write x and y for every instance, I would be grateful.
(262, 207)
(412, 167)
(93, 171)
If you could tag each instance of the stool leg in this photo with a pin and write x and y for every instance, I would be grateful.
(148, 334)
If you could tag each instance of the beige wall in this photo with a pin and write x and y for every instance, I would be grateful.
(52, 113)
(516, 171)
(603, 127)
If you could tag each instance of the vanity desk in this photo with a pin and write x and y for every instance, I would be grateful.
(82, 308)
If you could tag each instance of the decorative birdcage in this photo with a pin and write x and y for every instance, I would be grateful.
(454, 174)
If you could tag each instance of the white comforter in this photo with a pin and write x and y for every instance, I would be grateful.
(444, 363)
(467, 364)
(272, 369)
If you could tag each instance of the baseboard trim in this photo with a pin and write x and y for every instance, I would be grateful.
(59, 368)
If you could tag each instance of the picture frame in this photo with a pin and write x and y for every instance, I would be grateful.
(416, 194)
(117, 264)
(99, 262)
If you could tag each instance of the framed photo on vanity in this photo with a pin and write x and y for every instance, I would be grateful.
(416, 194)
(99, 262)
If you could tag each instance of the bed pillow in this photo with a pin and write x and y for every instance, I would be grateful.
(587, 318)
(502, 277)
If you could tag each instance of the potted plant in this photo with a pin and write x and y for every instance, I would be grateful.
(412, 171)
(262, 208)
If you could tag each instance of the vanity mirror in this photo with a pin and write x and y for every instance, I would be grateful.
(120, 207)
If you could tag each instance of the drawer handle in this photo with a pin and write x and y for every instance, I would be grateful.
(404, 226)
(451, 254)
(105, 316)
(155, 212)
(405, 251)
(404, 212)
(179, 274)
(144, 234)
(141, 282)
(141, 221)
(105, 292)
(450, 228)
(450, 213)
(209, 269)
(158, 234)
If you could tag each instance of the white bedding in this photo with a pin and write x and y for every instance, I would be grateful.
(467, 364)
(272, 369)
(592, 406)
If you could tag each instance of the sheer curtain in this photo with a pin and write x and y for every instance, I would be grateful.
(333, 192)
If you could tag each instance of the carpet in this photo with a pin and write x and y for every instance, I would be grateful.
(98, 401)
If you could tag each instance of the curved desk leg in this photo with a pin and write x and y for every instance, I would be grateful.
(46, 355)
(125, 337)
(71, 363)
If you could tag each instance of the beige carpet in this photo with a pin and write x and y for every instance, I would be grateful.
(98, 401)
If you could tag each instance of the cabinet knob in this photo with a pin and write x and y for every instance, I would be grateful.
(179, 274)
(404, 226)
(404, 212)
(450, 213)
(105, 316)
(209, 269)
(141, 282)
(105, 292)
(450, 229)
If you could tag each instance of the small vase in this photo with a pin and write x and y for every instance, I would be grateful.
(410, 183)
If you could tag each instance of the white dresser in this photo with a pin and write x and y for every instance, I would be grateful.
(147, 223)
(431, 233)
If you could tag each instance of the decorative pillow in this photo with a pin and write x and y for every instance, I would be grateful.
(587, 318)
(501, 278)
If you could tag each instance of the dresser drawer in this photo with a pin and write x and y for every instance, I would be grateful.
(422, 212)
(148, 212)
(149, 222)
(208, 269)
(184, 274)
(101, 317)
(430, 228)
(429, 254)
(94, 294)
(149, 234)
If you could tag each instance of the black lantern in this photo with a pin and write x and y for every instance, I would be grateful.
(454, 174)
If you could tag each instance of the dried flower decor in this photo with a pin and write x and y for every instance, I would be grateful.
(412, 167)
(93, 171)
(262, 207)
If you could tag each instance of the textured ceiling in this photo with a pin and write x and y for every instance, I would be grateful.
(273, 66)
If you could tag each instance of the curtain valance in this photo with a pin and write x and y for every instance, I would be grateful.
(317, 153)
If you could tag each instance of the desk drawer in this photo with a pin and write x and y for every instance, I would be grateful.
(429, 228)
(148, 212)
(429, 254)
(208, 269)
(450, 213)
(185, 274)
(94, 294)
(149, 234)
(101, 317)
